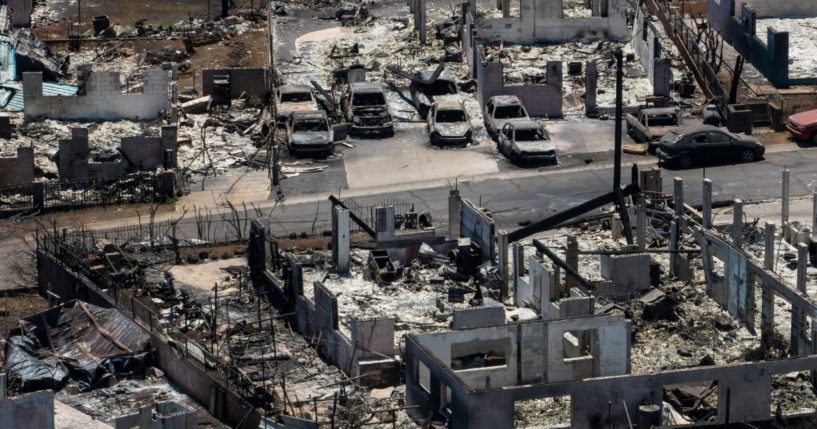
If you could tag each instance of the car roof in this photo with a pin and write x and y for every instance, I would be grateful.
(294, 88)
(445, 75)
(525, 124)
(505, 99)
(449, 105)
(660, 110)
(366, 87)
(701, 128)
(804, 117)
(309, 114)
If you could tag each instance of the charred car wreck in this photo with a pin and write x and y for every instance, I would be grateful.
(365, 109)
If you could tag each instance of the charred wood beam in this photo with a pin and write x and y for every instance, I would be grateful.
(541, 247)
(363, 225)
(556, 219)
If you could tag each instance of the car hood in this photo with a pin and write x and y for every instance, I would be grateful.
(501, 122)
(535, 146)
(370, 111)
(804, 118)
(287, 108)
(452, 129)
(310, 138)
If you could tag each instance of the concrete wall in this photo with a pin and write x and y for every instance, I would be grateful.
(650, 55)
(780, 8)
(540, 99)
(103, 99)
(479, 228)
(21, 12)
(137, 154)
(249, 81)
(18, 170)
(542, 21)
(735, 21)
(478, 317)
(33, 410)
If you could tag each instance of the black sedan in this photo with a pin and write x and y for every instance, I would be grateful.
(707, 144)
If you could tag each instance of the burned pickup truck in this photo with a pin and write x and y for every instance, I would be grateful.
(365, 109)
(651, 124)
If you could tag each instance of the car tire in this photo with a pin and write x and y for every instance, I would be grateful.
(685, 161)
(433, 139)
(814, 138)
(747, 155)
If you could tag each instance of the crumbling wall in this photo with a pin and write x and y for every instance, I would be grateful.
(781, 8)
(20, 12)
(33, 410)
(242, 81)
(541, 99)
(648, 48)
(19, 170)
(137, 154)
(544, 22)
(479, 227)
(772, 58)
(103, 98)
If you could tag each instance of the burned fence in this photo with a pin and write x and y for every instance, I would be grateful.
(66, 273)
(66, 195)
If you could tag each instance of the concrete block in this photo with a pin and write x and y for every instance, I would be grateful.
(478, 317)
(373, 337)
(629, 273)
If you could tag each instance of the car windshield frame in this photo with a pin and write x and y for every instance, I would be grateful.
(316, 125)
(296, 97)
(538, 134)
(460, 116)
(367, 99)
(514, 111)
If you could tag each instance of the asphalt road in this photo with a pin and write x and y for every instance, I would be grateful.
(521, 196)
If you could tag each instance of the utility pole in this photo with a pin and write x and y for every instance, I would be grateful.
(622, 205)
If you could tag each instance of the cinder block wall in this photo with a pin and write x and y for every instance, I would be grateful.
(19, 170)
(250, 81)
(103, 99)
(34, 410)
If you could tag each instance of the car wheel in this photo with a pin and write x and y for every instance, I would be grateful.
(685, 161)
(747, 155)
(814, 138)
(433, 139)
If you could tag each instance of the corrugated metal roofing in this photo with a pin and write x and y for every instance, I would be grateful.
(16, 99)
(85, 333)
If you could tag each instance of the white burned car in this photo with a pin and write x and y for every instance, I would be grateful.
(448, 122)
(309, 133)
(293, 98)
(526, 141)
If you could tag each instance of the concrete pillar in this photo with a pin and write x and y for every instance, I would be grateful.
(796, 326)
(502, 261)
(572, 260)
(706, 208)
(678, 196)
(737, 223)
(506, 8)
(784, 212)
(454, 214)
(145, 416)
(421, 14)
(673, 247)
(768, 253)
(616, 226)
(814, 211)
(518, 262)
(802, 263)
(3, 387)
(341, 239)
(591, 76)
(641, 225)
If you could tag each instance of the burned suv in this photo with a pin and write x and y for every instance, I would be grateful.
(309, 133)
(293, 98)
(365, 108)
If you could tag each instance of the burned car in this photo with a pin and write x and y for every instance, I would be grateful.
(309, 133)
(448, 122)
(365, 108)
(293, 98)
(526, 140)
(651, 124)
(425, 93)
(501, 109)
